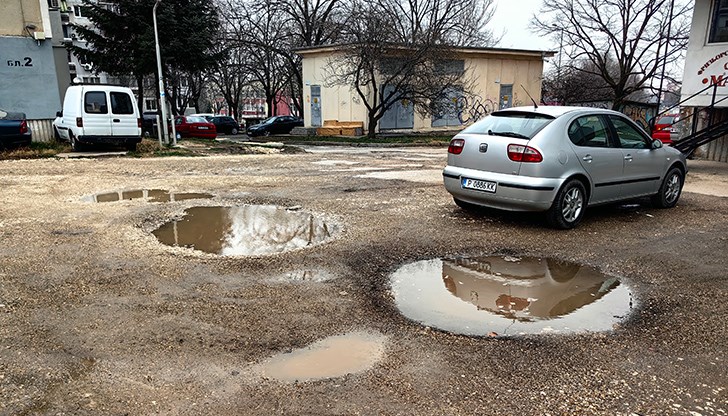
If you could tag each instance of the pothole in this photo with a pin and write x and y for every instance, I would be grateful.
(244, 230)
(152, 195)
(331, 357)
(498, 296)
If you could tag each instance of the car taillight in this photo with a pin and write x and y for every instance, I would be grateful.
(139, 123)
(79, 122)
(521, 153)
(456, 146)
(23, 127)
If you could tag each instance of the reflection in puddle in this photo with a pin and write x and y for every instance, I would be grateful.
(244, 230)
(508, 295)
(153, 195)
(331, 357)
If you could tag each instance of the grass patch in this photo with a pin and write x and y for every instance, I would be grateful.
(433, 140)
(151, 148)
(36, 150)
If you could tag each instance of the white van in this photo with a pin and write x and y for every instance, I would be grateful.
(99, 114)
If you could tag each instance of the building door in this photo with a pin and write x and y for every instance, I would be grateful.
(506, 96)
(401, 115)
(315, 105)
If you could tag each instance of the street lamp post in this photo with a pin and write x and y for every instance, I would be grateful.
(162, 95)
(561, 51)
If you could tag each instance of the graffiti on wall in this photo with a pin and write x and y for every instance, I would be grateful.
(473, 108)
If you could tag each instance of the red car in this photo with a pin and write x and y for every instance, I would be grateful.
(664, 130)
(194, 126)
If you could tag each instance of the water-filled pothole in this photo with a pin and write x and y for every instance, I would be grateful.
(244, 230)
(331, 357)
(153, 195)
(499, 296)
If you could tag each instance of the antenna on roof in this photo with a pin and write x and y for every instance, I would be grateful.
(535, 106)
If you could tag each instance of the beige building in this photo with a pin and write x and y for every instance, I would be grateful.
(500, 79)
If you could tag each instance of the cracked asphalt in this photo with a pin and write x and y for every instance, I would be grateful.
(99, 318)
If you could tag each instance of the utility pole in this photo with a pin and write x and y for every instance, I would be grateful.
(561, 51)
(162, 94)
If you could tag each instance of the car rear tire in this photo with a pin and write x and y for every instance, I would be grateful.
(670, 189)
(234, 131)
(569, 205)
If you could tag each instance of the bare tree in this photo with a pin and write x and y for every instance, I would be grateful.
(231, 76)
(626, 43)
(405, 51)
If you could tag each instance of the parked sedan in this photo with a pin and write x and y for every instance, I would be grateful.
(14, 131)
(275, 125)
(560, 160)
(225, 124)
(194, 126)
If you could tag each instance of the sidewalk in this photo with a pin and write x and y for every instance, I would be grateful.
(707, 177)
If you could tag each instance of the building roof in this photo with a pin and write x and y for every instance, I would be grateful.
(310, 50)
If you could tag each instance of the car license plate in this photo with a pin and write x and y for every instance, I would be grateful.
(486, 186)
(202, 128)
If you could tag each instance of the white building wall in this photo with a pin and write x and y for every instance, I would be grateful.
(705, 63)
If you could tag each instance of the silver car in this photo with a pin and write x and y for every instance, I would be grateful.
(560, 160)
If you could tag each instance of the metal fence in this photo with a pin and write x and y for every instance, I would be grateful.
(42, 130)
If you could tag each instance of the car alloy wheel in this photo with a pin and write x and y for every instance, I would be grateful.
(234, 131)
(569, 205)
(670, 189)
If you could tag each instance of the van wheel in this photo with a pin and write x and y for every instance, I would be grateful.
(569, 206)
(75, 145)
(131, 147)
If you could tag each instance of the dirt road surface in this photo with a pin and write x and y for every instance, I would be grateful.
(97, 317)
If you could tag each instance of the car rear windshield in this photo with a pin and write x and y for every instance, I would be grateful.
(666, 120)
(193, 119)
(510, 123)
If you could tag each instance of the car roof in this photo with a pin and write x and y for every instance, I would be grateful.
(556, 110)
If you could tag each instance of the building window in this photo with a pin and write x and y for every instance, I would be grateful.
(91, 80)
(150, 104)
(719, 23)
(77, 11)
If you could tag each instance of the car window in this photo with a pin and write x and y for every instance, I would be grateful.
(510, 122)
(589, 131)
(121, 103)
(628, 135)
(95, 103)
(192, 119)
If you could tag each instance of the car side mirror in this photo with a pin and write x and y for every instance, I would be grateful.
(59, 113)
(656, 144)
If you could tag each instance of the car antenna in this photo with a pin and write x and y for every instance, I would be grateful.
(535, 106)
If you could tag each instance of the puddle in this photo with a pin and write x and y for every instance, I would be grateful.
(331, 357)
(508, 296)
(153, 195)
(244, 230)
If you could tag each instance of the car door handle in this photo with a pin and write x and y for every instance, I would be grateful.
(116, 120)
(587, 158)
(628, 158)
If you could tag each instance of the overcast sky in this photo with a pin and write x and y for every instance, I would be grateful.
(513, 17)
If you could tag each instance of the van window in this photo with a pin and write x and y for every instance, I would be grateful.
(95, 103)
(121, 103)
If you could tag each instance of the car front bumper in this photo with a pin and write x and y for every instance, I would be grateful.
(512, 193)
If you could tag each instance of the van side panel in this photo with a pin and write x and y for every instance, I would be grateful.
(96, 113)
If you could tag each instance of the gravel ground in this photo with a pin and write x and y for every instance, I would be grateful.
(98, 318)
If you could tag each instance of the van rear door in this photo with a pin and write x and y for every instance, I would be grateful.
(96, 120)
(123, 114)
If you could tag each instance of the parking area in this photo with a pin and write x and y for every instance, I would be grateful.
(97, 316)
